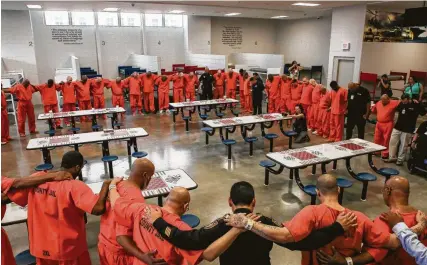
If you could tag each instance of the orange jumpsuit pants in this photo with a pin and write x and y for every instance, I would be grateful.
(108, 257)
(163, 100)
(135, 103)
(54, 109)
(118, 100)
(66, 107)
(274, 104)
(85, 105)
(382, 134)
(26, 108)
(83, 259)
(314, 112)
(5, 136)
(189, 94)
(178, 95)
(248, 103)
(323, 123)
(336, 127)
(149, 101)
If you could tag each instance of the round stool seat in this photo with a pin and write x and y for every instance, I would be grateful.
(186, 118)
(25, 258)
(43, 167)
(310, 190)
(74, 129)
(237, 112)
(267, 163)
(229, 142)
(49, 132)
(270, 136)
(344, 183)
(109, 158)
(190, 219)
(207, 129)
(220, 114)
(204, 116)
(364, 176)
(251, 139)
(386, 171)
(290, 133)
(140, 154)
(117, 124)
(96, 127)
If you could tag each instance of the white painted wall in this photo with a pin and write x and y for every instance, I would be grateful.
(257, 59)
(306, 41)
(259, 31)
(347, 25)
(210, 60)
(199, 34)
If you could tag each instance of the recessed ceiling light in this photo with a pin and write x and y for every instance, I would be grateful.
(232, 14)
(34, 6)
(176, 11)
(306, 4)
(110, 9)
(279, 17)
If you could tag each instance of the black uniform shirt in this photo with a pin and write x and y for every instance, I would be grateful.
(257, 89)
(206, 79)
(357, 100)
(408, 115)
(248, 248)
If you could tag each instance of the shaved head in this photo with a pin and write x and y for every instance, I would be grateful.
(98, 79)
(396, 191)
(141, 172)
(26, 82)
(327, 185)
(69, 79)
(178, 200)
(385, 99)
(118, 79)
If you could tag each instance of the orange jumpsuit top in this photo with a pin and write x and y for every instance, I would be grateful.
(399, 256)
(275, 87)
(318, 216)
(69, 92)
(247, 87)
(285, 89)
(163, 86)
(325, 100)
(315, 97)
(98, 87)
(56, 225)
(23, 93)
(178, 82)
(109, 228)
(148, 82)
(385, 113)
(307, 91)
(231, 82)
(190, 82)
(219, 80)
(267, 87)
(6, 249)
(147, 238)
(48, 93)
(339, 102)
(3, 101)
(296, 91)
(134, 85)
(117, 88)
(83, 90)
(241, 81)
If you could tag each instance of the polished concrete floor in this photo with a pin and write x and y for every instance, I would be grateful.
(169, 146)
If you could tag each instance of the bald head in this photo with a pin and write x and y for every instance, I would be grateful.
(398, 184)
(396, 192)
(385, 99)
(327, 185)
(69, 79)
(178, 200)
(98, 79)
(141, 172)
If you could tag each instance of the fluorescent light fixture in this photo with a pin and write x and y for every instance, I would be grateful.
(110, 9)
(232, 14)
(279, 17)
(306, 4)
(176, 11)
(34, 6)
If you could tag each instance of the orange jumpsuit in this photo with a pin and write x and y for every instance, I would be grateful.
(68, 98)
(49, 99)
(385, 123)
(163, 92)
(296, 91)
(4, 121)
(314, 112)
(267, 87)
(338, 108)
(134, 85)
(231, 84)
(285, 96)
(307, 90)
(248, 95)
(7, 257)
(219, 85)
(323, 118)
(274, 95)
(148, 90)
(190, 86)
(178, 88)
(25, 107)
(98, 93)
(117, 98)
(83, 96)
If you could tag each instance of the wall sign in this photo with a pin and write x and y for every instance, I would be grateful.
(232, 36)
(67, 36)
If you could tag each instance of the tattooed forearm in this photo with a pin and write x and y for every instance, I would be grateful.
(273, 233)
(419, 228)
(258, 229)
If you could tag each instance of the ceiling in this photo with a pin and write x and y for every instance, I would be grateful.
(251, 9)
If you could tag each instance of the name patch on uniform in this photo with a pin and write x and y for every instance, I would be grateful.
(45, 192)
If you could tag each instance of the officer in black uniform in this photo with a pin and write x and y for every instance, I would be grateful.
(207, 80)
(359, 105)
(257, 88)
(248, 248)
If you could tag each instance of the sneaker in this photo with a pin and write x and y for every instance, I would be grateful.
(22, 135)
(3, 142)
(325, 136)
(399, 163)
(314, 132)
(390, 160)
(161, 112)
(309, 129)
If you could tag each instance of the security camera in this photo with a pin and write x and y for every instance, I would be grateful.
(133, 4)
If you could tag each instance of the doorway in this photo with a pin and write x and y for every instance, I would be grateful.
(343, 70)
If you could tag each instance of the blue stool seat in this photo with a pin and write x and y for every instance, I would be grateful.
(237, 112)
(139, 154)
(229, 142)
(310, 190)
(43, 167)
(74, 129)
(220, 114)
(186, 118)
(364, 176)
(344, 183)
(251, 139)
(190, 219)
(267, 163)
(109, 158)
(49, 132)
(207, 129)
(270, 136)
(290, 133)
(117, 124)
(96, 127)
(386, 171)
(25, 258)
(204, 116)
(425, 161)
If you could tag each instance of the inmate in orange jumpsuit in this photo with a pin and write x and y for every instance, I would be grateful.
(248, 95)
(267, 87)
(148, 90)
(7, 257)
(134, 85)
(178, 88)
(274, 95)
(5, 137)
(338, 108)
(110, 252)
(191, 82)
(98, 93)
(285, 96)
(324, 116)
(49, 99)
(307, 90)
(68, 98)
(219, 85)
(25, 107)
(117, 98)
(296, 91)
(163, 92)
(231, 85)
(385, 123)
(318, 216)
(315, 99)
(83, 96)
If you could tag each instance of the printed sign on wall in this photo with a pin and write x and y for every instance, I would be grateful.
(232, 36)
(67, 36)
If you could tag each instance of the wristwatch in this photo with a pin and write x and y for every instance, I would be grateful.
(112, 186)
(349, 260)
(249, 224)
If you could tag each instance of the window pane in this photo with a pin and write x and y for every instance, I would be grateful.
(108, 19)
(131, 19)
(153, 20)
(56, 18)
(83, 18)
(173, 21)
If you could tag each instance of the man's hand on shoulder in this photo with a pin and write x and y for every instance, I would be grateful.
(155, 214)
(237, 220)
(347, 220)
(391, 218)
